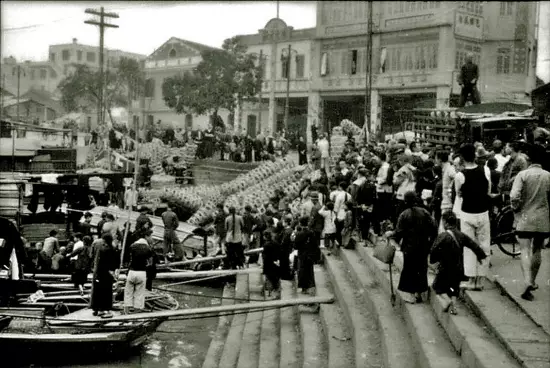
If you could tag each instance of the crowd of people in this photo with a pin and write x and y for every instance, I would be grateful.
(436, 203)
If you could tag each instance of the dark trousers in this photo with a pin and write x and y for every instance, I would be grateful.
(469, 90)
(339, 227)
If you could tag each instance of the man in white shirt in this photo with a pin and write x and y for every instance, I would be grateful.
(131, 198)
(448, 176)
(323, 146)
(383, 192)
(501, 159)
(78, 243)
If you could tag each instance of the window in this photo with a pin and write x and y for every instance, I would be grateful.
(324, 64)
(506, 7)
(263, 64)
(300, 65)
(79, 55)
(53, 74)
(285, 67)
(344, 67)
(32, 74)
(353, 62)
(150, 87)
(52, 56)
(172, 53)
(43, 73)
(503, 61)
(66, 55)
(90, 57)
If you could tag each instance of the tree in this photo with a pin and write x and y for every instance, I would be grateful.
(80, 89)
(222, 80)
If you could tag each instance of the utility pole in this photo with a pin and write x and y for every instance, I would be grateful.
(287, 102)
(102, 25)
(2, 97)
(18, 89)
(14, 131)
(368, 80)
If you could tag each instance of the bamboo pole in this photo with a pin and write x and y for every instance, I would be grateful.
(202, 311)
(206, 259)
(164, 275)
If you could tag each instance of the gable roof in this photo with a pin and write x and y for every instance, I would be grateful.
(196, 48)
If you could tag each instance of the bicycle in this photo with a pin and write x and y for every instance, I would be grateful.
(503, 233)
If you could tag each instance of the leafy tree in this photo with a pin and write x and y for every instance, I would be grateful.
(222, 80)
(80, 89)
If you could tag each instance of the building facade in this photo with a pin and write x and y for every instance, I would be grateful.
(64, 55)
(276, 45)
(418, 48)
(175, 57)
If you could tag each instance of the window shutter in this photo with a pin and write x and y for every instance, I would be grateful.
(300, 61)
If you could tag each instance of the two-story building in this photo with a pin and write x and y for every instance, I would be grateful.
(41, 75)
(174, 57)
(64, 55)
(276, 45)
(417, 50)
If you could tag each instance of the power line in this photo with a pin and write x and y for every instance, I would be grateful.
(36, 25)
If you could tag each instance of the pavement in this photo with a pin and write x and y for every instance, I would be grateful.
(509, 277)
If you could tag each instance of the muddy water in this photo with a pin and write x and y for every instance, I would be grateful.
(176, 344)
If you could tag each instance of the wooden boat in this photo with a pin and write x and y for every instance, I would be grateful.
(29, 329)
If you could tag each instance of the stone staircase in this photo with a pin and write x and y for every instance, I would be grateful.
(363, 329)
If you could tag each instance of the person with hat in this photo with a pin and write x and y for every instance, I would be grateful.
(143, 221)
(516, 163)
(86, 226)
(530, 196)
(482, 156)
(316, 220)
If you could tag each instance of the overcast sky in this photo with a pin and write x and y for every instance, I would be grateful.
(28, 28)
(144, 26)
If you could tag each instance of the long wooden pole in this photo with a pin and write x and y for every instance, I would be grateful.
(163, 275)
(203, 311)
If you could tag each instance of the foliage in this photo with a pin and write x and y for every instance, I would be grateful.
(80, 89)
(221, 80)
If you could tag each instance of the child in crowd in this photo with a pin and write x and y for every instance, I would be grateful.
(329, 228)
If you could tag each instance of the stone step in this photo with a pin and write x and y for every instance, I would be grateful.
(250, 344)
(341, 352)
(396, 343)
(527, 342)
(429, 340)
(270, 349)
(291, 355)
(314, 344)
(470, 336)
(231, 349)
(215, 349)
(363, 326)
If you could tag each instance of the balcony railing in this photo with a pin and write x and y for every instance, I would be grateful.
(300, 85)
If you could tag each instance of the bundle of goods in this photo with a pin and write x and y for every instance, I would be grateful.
(189, 199)
(159, 181)
(156, 151)
(266, 170)
(350, 127)
(287, 180)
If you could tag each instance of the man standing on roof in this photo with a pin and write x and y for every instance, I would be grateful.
(467, 79)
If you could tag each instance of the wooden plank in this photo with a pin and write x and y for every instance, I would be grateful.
(70, 318)
(205, 259)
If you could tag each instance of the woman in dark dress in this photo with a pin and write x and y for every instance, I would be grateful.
(302, 152)
(308, 253)
(416, 230)
(83, 263)
(105, 267)
(271, 268)
(448, 252)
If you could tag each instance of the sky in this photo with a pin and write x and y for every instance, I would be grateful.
(28, 27)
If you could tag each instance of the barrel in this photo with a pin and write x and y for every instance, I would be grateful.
(11, 198)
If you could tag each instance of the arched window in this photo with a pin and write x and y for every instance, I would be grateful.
(172, 53)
